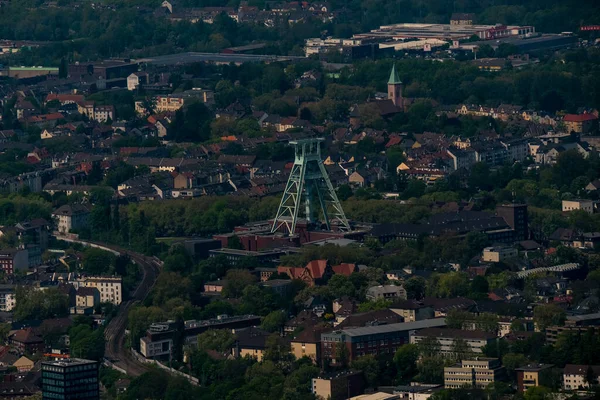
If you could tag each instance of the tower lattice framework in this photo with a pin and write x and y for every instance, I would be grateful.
(308, 183)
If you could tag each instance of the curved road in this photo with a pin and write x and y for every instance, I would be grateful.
(116, 352)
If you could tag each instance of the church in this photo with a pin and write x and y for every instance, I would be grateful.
(387, 108)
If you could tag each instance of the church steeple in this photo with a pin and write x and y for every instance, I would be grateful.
(394, 78)
(395, 89)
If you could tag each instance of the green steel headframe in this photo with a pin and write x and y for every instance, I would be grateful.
(308, 181)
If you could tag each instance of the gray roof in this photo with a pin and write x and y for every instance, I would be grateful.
(403, 326)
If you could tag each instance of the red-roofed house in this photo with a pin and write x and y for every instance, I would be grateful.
(317, 271)
(44, 121)
(580, 123)
(345, 269)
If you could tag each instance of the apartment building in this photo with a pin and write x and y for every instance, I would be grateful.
(8, 298)
(477, 373)
(109, 287)
(158, 342)
(533, 375)
(446, 337)
(575, 376)
(70, 218)
(12, 260)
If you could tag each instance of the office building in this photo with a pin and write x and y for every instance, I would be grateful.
(376, 340)
(70, 379)
(515, 216)
(158, 342)
(477, 373)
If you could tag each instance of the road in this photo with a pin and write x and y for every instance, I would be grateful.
(116, 352)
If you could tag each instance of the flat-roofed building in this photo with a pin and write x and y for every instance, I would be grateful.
(532, 375)
(475, 373)
(380, 339)
(476, 340)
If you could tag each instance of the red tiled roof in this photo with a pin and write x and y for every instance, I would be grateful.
(344, 269)
(579, 117)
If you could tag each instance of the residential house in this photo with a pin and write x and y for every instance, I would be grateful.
(87, 297)
(593, 186)
(109, 287)
(23, 364)
(386, 292)
(71, 217)
(136, 79)
(250, 342)
(308, 344)
(26, 341)
(589, 206)
(12, 260)
(580, 123)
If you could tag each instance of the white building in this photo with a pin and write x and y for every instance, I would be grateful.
(574, 376)
(71, 217)
(497, 254)
(8, 298)
(136, 79)
(110, 288)
(572, 205)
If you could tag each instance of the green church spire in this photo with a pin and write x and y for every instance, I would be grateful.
(394, 78)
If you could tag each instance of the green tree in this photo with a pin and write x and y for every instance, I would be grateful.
(274, 321)
(429, 347)
(406, 361)
(236, 280)
(546, 315)
(220, 340)
(369, 366)
(537, 393)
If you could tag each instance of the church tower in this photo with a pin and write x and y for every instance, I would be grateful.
(395, 89)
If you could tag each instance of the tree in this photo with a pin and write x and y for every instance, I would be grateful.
(220, 340)
(277, 349)
(546, 315)
(512, 361)
(96, 261)
(415, 287)
(38, 304)
(406, 361)
(373, 305)
(537, 393)
(235, 282)
(369, 366)
(460, 349)
(431, 369)
(274, 321)
(456, 319)
(429, 347)
(590, 376)
(170, 285)
(87, 343)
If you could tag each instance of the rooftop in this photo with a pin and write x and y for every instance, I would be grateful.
(403, 326)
